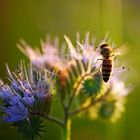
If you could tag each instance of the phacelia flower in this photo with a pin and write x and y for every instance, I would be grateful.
(76, 72)
(27, 93)
(113, 107)
(73, 64)
(81, 62)
(14, 107)
(51, 53)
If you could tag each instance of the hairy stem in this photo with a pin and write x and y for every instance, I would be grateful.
(67, 121)
(76, 88)
(85, 108)
(51, 118)
(55, 120)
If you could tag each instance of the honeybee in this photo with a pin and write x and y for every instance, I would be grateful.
(108, 53)
(107, 63)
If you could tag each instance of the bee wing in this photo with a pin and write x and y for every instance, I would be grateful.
(120, 50)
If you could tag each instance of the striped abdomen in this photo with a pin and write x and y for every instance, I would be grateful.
(106, 69)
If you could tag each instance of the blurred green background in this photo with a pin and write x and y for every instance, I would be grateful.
(33, 19)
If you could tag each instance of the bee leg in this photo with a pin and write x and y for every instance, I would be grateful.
(100, 68)
(97, 61)
(112, 55)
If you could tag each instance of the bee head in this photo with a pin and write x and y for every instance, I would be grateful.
(103, 45)
(105, 50)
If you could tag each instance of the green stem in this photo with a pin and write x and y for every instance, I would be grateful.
(75, 90)
(50, 118)
(92, 102)
(67, 121)
(67, 130)
(55, 120)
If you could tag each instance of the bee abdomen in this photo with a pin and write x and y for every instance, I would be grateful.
(106, 69)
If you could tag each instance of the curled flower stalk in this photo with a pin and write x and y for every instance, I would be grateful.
(71, 74)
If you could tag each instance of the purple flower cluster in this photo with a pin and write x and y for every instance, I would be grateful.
(25, 91)
(14, 108)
